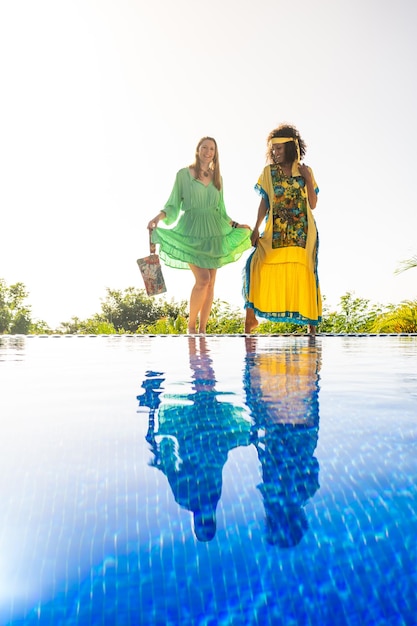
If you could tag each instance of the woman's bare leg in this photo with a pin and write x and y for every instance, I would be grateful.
(250, 321)
(201, 298)
(208, 302)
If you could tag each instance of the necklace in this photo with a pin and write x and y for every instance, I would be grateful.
(282, 173)
(205, 174)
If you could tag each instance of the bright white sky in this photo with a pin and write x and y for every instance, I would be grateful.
(104, 100)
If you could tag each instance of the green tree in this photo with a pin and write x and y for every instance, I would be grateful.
(173, 320)
(224, 319)
(127, 309)
(356, 315)
(95, 325)
(130, 311)
(39, 327)
(15, 315)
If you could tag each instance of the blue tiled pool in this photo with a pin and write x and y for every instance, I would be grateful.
(219, 480)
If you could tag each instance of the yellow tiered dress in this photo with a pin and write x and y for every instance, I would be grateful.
(281, 282)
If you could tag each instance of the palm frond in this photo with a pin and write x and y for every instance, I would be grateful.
(406, 265)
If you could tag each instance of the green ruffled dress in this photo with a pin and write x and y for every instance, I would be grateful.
(200, 231)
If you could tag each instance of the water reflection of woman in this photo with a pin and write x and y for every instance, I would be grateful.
(282, 389)
(195, 433)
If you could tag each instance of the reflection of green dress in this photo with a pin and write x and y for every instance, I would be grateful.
(194, 439)
(202, 235)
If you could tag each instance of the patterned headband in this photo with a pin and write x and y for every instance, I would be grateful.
(286, 140)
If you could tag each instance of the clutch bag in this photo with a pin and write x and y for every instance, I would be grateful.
(151, 270)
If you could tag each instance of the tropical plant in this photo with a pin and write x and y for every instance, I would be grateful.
(132, 311)
(279, 328)
(95, 325)
(165, 326)
(401, 318)
(407, 264)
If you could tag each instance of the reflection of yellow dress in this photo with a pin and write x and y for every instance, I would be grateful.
(282, 387)
(281, 281)
(282, 390)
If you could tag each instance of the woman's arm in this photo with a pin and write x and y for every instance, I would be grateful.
(262, 210)
(154, 222)
(222, 206)
(311, 192)
(173, 206)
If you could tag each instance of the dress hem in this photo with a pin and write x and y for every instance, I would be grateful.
(288, 317)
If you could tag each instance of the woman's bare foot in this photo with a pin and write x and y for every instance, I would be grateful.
(311, 330)
(250, 322)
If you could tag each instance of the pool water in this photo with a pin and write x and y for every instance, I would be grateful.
(231, 480)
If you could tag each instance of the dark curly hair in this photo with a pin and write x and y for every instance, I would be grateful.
(286, 130)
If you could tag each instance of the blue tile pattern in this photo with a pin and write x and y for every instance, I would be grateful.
(201, 481)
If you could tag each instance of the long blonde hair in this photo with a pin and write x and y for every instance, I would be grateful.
(214, 165)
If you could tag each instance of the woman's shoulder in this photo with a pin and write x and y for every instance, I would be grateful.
(267, 168)
(266, 171)
(184, 171)
(182, 175)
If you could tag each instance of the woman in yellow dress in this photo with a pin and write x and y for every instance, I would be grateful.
(281, 282)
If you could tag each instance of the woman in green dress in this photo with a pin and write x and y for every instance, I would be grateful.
(202, 237)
